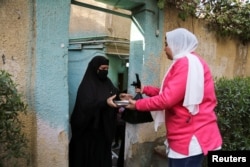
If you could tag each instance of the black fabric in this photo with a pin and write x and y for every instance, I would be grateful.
(92, 120)
(136, 117)
(120, 160)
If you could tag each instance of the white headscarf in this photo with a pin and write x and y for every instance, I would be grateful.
(182, 43)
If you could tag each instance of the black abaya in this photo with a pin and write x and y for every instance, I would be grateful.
(92, 120)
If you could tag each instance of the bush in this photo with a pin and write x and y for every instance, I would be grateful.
(233, 112)
(12, 140)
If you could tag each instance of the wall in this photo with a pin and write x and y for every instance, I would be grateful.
(33, 48)
(51, 82)
(87, 22)
(226, 57)
(16, 57)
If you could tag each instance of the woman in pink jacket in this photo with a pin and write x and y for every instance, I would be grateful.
(185, 102)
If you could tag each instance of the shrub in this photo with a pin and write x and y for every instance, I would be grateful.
(12, 139)
(227, 18)
(233, 112)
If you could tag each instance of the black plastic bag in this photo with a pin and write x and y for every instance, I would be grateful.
(135, 116)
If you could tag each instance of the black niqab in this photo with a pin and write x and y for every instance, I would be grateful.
(92, 120)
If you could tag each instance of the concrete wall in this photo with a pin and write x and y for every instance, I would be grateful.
(87, 22)
(17, 57)
(33, 48)
(226, 57)
(51, 81)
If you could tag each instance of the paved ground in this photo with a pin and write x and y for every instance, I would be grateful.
(158, 159)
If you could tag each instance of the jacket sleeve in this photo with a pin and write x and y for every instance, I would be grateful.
(151, 91)
(173, 92)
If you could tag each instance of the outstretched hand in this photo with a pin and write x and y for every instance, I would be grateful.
(139, 90)
(110, 101)
(131, 104)
(125, 96)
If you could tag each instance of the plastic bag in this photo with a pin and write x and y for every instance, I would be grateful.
(135, 116)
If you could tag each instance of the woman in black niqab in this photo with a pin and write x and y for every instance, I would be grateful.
(93, 120)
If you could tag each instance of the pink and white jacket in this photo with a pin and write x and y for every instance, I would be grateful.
(180, 124)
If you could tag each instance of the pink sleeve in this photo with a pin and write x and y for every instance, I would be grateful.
(173, 91)
(151, 91)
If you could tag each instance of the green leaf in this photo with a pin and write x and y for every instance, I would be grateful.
(12, 139)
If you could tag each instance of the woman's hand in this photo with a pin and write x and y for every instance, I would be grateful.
(125, 96)
(131, 104)
(110, 101)
(139, 90)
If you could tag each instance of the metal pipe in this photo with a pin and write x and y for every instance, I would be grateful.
(99, 41)
(100, 9)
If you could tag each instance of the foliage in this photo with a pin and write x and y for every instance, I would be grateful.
(228, 18)
(233, 112)
(12, 139)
